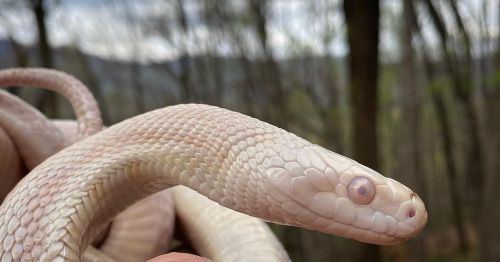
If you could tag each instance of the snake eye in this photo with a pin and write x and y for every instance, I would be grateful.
(361, 190)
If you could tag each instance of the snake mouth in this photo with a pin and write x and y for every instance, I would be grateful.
(330, 226)
(302, 216)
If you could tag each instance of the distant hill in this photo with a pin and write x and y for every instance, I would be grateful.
(118, 82)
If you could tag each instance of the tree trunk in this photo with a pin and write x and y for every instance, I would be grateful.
(94, 85)
(409, 165)
(46, 100)
(362, 18)
(185, 60)
(451, 170)
(271, 81)
(474, 150)
(490, 228)
(462, 89)
(214, 65)
(21, 60)
(443, 120)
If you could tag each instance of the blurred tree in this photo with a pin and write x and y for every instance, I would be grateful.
(408, 159)
(93, 83)
(412, 102)
(460, 74)
(490, 215)
(40, 13)
(135, 30)
(320, 79)
(248, 90)
(46, 100)
(213, 16)
(474, 170)
(271, 86)
(185, 60)
(362, 18)
(490, 228)
(19, 51)
(443, 117)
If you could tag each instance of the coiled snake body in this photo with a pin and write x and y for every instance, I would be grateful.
(238, 161)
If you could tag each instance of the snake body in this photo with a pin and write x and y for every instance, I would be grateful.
(81, 99)
(134, 235)
(249, 234)
(34, 135)
(11, 164)
(235, 160)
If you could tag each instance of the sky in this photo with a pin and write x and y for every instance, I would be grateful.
(104, 28)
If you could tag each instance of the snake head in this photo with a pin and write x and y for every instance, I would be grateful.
(318, 189)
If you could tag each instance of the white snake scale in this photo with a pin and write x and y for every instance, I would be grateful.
(237, 161)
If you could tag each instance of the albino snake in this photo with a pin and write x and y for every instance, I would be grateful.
(238, 161)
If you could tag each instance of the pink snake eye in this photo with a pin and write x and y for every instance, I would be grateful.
(361, 190)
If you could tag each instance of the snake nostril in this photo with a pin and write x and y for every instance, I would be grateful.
(412, 213)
